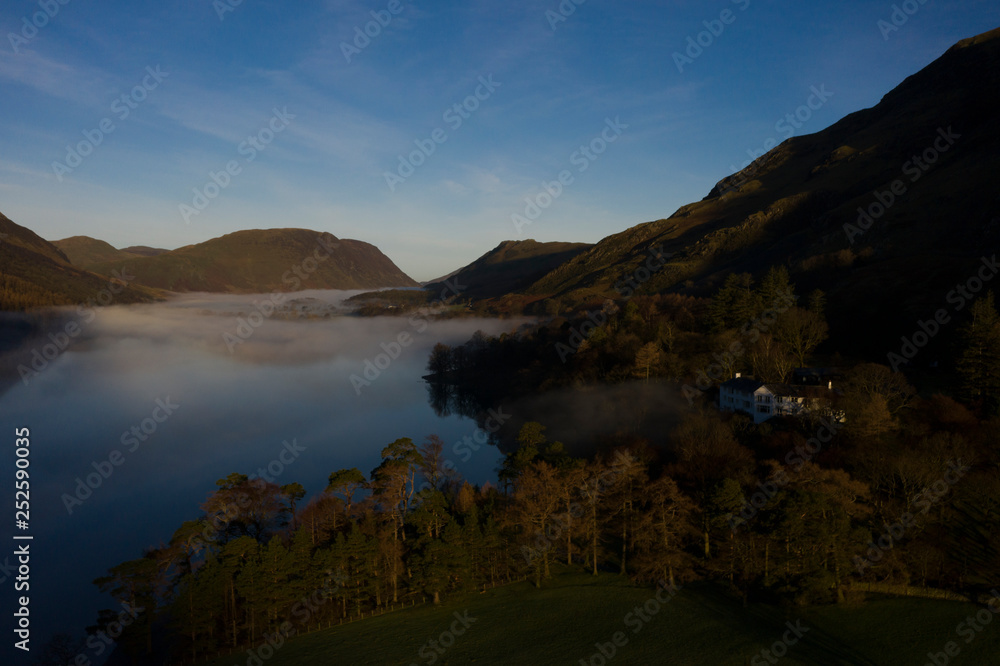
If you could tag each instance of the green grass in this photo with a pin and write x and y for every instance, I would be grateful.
(562, 622)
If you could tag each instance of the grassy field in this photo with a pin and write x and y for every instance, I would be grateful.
(563, 622)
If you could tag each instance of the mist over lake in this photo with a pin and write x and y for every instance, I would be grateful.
(159, 385)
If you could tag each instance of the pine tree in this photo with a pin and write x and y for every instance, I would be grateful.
(978, 363)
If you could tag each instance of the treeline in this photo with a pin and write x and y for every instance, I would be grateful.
(17, 295)
(763, 329)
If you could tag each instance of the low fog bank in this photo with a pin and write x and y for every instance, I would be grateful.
(596, 418)
(282, 329)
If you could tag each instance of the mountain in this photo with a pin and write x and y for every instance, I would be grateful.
(509, 267)
(258, 261)
(84, 251)
(34, 272)
(813, 205)
(144, 250)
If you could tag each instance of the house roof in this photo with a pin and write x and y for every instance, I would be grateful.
(783, 389)
(742, 384)
(748, 385)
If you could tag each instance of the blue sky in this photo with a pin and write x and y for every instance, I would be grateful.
(341, 126)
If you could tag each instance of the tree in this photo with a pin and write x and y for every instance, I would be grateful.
(770, 359)
(817, 303)
(432, 461)
(978, 363)
(245, 507)
(708, 453)
(817, 518)
(440, 360)
(403, 452)
(347, 482)
(629, 477)
(597, 477)
(647, 357)
(535, 503)
(735, 303)
(442, 562)
(800, 332)
(293, 492)
(660, 531)
(774, 287)
(571, 476)
(874, 396)
(530, 439)
(137, 584)
(60, 650)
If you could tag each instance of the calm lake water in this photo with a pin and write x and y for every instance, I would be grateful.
(289, 382)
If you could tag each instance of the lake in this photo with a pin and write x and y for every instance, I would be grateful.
(132, 425)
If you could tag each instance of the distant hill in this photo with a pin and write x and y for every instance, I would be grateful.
(798, 205)
(258, 261)
(34, 273)
(84, 251)
(143, 250)
(511, 266)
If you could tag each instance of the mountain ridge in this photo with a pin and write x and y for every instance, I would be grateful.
(795, 205)
(260, 260)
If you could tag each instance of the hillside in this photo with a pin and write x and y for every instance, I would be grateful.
(257, 261)
(511, 266)
(563, 622)
(794, 206)
(84, 251)
(144, 250)
(34, 272)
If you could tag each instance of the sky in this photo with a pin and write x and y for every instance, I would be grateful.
(434, 131)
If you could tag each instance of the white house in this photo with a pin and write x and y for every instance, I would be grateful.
(762, 401)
